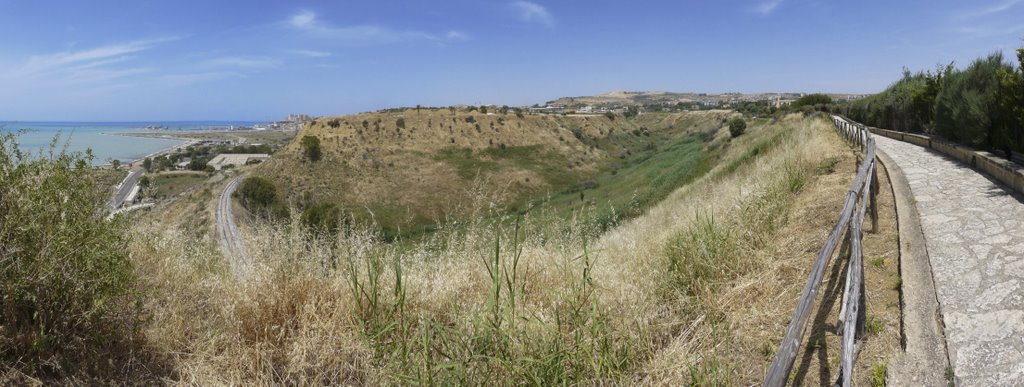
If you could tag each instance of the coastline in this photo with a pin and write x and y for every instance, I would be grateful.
(186, 142)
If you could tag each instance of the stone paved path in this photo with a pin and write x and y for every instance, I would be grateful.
(974, 232)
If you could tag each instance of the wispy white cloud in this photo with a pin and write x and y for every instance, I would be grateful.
(990, 9)
(309, 22)
(532, 13)
(767, 7)
(88, 58)
(243, 62)
(305, 19)
(311, 53)
(72, 69)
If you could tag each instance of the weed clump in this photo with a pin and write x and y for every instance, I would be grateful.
(68, 297)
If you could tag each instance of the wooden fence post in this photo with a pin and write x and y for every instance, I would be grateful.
(874, 200)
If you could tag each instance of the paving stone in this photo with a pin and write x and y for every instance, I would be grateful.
(975, 238)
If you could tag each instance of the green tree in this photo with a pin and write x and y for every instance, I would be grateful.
(400, 123)
(115, 163)
(737, 126)
(147, 164)
(144, 182)
(257, 194)
(311, 147)
(965, 107)
(1009, 125)
(198, 164)
(68, 299)
(981, 105)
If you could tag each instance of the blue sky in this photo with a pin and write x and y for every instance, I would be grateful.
(260, 60)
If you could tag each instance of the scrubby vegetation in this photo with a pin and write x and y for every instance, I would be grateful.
(811, 100)
(980, 106)
(737, 126)
(311, 147)
(68, 294)
(684, 292)
(409, 178)
(322, 218)
(259, 196)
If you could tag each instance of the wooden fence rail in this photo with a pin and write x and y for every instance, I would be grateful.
(859, 199)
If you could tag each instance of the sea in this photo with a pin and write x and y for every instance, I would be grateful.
(99, 137)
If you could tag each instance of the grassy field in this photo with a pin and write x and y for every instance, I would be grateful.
(169, 184)
(636, 183)
(695, 290)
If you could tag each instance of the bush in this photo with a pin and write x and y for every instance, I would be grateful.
(965, 105)
(812, 100)
(737, 126)
(68, 302)
(311, 147)
(323, 217)
(980, 106)
(259, 195)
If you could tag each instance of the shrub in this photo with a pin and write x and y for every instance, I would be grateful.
(610, 115)
(259, 195)
(68, 302)
(979, 106)
(965, 105)
(812, 100)
(311, 147)
(737, 126)
(322, 217)
(400, 123)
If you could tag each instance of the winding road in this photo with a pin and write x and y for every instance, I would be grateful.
(227, 231)
(122, 190)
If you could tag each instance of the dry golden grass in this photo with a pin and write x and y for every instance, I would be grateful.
(694, 291)
(404, 175)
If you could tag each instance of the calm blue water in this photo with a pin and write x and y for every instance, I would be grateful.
(80, 136)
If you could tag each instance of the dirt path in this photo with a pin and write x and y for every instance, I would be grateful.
(974, 234)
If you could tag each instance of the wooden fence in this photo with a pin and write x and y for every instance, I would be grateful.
(859, 199)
